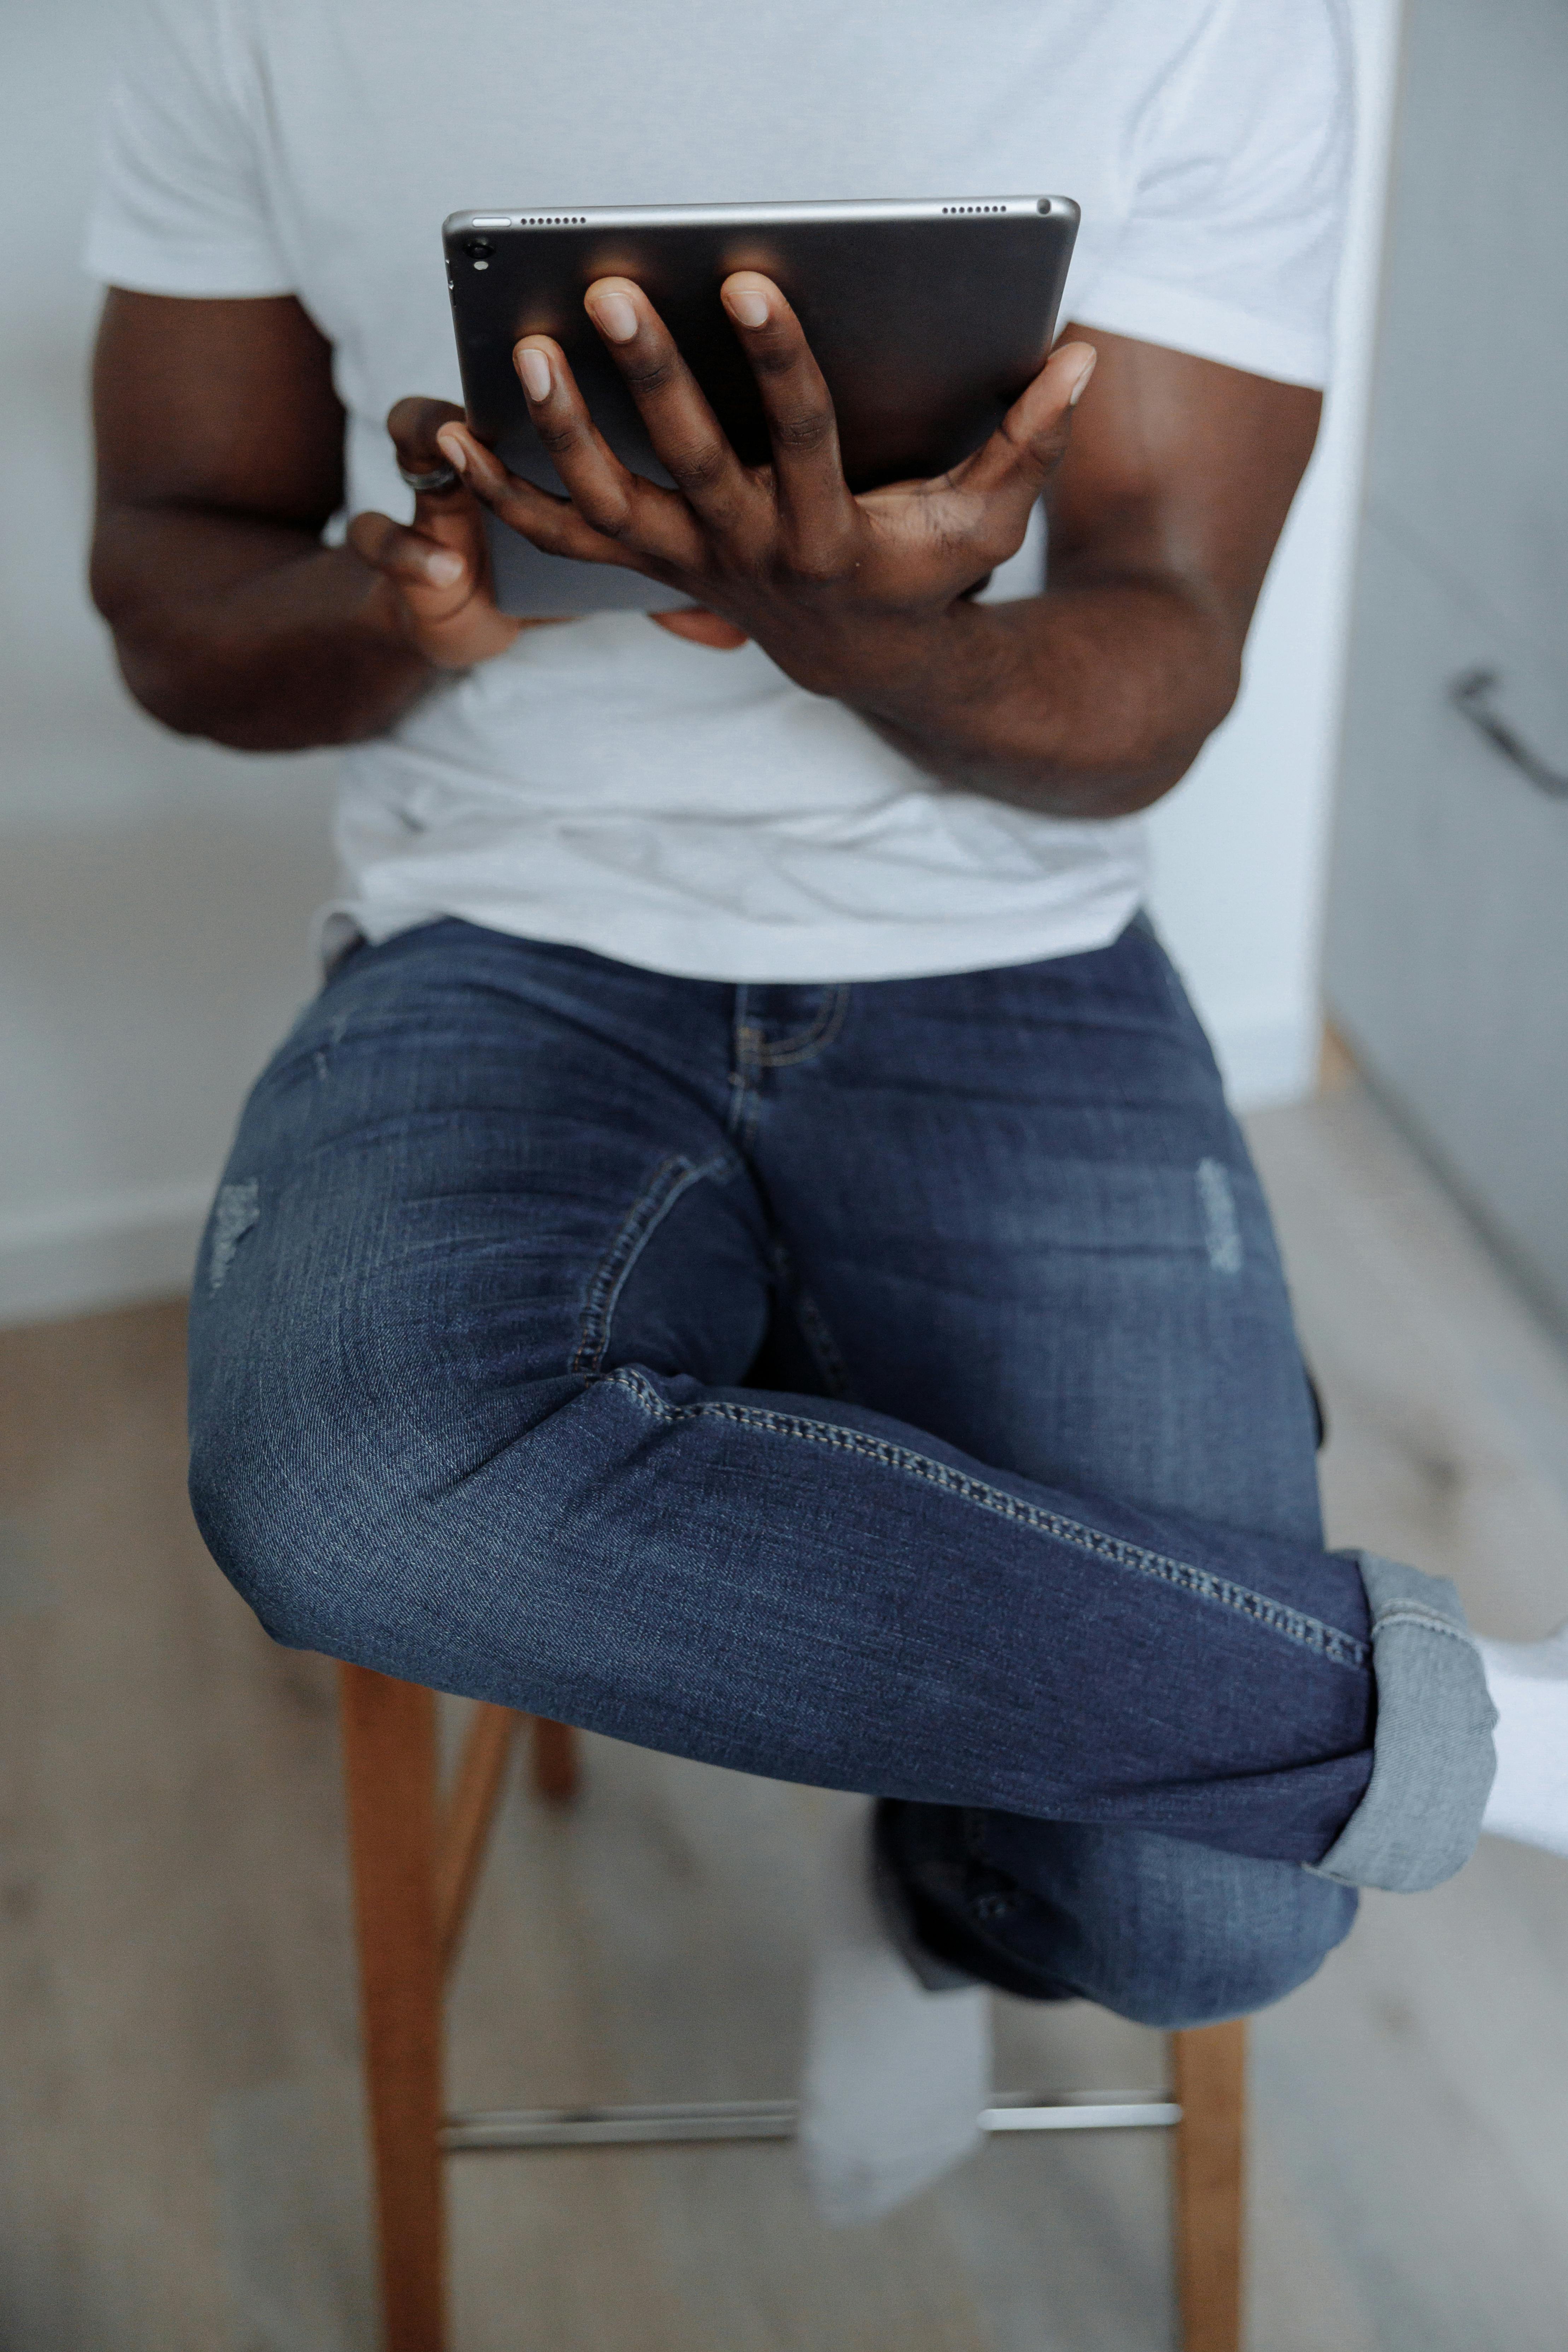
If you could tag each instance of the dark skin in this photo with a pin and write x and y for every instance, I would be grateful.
(1167, 482)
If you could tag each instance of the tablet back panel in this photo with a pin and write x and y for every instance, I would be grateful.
(928, 319)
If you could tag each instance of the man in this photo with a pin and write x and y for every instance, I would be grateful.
(747, 1251)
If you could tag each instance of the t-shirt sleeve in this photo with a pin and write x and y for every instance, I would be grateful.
(180, 205)
(1240, 163)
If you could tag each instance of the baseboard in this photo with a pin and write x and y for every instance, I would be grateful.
(108, 1252)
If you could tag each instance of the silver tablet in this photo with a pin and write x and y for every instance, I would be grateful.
(928, 319)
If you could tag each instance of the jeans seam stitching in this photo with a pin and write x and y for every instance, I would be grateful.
(1412, 1614)
(813, 1325)
(674, 1178)
(817, 1038)
(745, 1099)
(1294, 1624)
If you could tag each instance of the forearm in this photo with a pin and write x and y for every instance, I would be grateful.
(252, 633)
(1092, 700)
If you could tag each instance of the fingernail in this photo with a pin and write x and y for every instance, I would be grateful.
(453, 451)
(748, 307)
(1081, 386)
(616, 316)
(534, 369)
(443, 568)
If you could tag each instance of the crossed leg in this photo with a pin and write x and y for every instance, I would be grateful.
(500, 1238)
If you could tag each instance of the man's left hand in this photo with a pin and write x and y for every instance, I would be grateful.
(843, 592)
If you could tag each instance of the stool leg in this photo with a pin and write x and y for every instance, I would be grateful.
(468, 1818)
(554, 1759)
(1209, 2067)
(390, 1765)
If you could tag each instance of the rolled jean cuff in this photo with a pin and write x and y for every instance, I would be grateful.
(1433, 1758)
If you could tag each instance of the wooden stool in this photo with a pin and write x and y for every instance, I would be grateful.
(416, 1860)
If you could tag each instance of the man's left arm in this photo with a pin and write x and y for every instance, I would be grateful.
(1095, 698)
(1167, 490)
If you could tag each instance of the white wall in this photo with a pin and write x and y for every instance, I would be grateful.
(1241, 847)
(154, 893)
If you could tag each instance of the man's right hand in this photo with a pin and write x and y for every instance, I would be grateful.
(436, 571)
(220, 445)
(220, 450)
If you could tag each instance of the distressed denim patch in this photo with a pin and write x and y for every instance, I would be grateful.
(235, 1211)
(1222, 1227)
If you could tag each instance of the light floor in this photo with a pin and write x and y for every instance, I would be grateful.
(180, 2155)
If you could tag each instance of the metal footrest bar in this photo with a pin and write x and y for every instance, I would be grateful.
(735, 2119)
(620, 2127)
(1120, 2114)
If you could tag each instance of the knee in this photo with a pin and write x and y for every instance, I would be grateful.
(341, 1498)
(1240, 1941)
(261, 1499)
(1155, 1929)
(1171, 1934)
(262, 1427)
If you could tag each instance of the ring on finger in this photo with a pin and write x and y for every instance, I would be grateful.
(441, 478)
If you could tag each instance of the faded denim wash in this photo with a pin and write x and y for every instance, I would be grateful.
(888, 1387)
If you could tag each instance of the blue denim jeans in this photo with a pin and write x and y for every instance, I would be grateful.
(889, 1387)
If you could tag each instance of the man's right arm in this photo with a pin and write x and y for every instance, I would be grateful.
(220, 457)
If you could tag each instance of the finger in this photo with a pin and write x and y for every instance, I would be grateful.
(703, 628)
(614, 501)
(438, 575)
(685, 435)
(414, 426)
(450, 515)
(553, 524)
(814, 501)
(1015, 465)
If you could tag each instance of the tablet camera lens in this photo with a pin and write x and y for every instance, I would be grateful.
(478, 248)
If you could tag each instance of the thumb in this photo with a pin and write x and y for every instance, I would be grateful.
(1031, 440)
(447, 511)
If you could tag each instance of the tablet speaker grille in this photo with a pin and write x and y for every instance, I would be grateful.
(553, 220)
(975, 209)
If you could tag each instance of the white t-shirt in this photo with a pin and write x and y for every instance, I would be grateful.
(605, 783)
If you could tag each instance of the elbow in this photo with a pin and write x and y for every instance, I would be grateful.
(1128, 790)
(1140, 761)
(1101, 795)
(177, 663)
(1126, 768)
(1155, 677)
(154, 676)
(1177, 758)
(169, 692)
(160, 689)
(1192, 702)
(183, 681)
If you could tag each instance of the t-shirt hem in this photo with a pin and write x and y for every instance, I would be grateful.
(811, 959)
(1152, 313)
